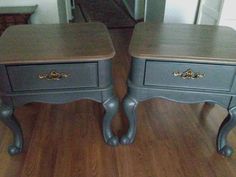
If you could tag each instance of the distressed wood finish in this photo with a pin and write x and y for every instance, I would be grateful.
(183, 63)
(55, 43)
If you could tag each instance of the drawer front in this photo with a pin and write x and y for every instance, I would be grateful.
(38, 77)
(205, 76)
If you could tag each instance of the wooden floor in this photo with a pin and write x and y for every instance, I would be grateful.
(173, 140)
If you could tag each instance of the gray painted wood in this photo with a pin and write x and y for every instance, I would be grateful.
(105, 73)
(153, 77)
(184, 93)
(7, 117)
(130, 105)
(27, 77)
(5, 86)
(233, 88)
(161, 74)
(27, 88)
(137, 73)
(111, 107)
(83, 74)
(142, 93)
(228, 124)
(61, 96)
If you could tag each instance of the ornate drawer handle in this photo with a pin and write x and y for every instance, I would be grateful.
(53, 75)
(189, 74)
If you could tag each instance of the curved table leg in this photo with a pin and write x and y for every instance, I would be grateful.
(228, 124)
(7, 117)
(130, 105)
(111, 107)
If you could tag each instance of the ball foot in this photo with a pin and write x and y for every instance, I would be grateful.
(126, 140)
(226, 151)
(13, 150)
(113, 141)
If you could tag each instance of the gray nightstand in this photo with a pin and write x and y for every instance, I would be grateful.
(183, 63)
(56, 64)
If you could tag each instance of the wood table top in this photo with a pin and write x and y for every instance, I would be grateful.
(184, 42)
(55, 43)
(18, 9)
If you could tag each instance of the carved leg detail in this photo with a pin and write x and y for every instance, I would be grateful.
(7, 117)
(130, 105)
(111, 107)
(228, 124)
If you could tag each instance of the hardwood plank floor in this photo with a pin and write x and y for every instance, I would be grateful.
(173, 140)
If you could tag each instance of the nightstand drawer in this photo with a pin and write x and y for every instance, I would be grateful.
(53, 76)
(189, 75)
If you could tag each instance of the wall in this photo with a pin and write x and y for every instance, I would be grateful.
(154, 10)
(175, 11)
(210, 12)
(47, 11)
(183, 11)
(62, 11)
(228, 15)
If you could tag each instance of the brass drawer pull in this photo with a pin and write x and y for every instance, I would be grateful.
(189, 74)
(53, 75)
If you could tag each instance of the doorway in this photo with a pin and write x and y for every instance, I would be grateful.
(110, 12)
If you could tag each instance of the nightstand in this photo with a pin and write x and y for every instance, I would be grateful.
(56, 63)
(183, 63)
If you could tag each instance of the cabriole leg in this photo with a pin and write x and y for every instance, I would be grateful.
(7, 117)
(130, 105)
(111, 107)
(228, 124)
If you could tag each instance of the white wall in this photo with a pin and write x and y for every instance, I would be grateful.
(180, 11)
(47, 11)
(210, 12)
(228, 15)
(176, 11)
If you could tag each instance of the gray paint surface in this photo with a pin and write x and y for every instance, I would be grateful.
(153, 79)
(88, 80)
(217, 77)
(26, 77)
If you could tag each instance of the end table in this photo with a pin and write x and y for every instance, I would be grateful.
(56, 63)
(183, 63)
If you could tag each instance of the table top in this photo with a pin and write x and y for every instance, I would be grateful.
(55, 43)
(18, 9)
(184, 42)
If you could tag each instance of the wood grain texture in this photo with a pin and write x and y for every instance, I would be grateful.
(184, 42)
(173, 140)
(55, 43)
